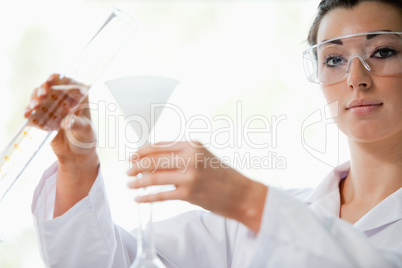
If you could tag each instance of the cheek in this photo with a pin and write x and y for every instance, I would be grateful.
(330, 93)
(333, 99)
(393, 99)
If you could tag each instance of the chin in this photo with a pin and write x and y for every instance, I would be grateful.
(366, 133)
(373, 136)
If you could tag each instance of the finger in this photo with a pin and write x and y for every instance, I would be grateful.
(156, 162)
(70, 87)
(160, 147)
(31, 107)
(58, 139)
(42, 92)
(83, 109)
(76, 98)
(58, 79)
(82, 129)
(158, 178)
(76, 123)
(27, 112)
(34, 93)
(162, 196)
(79, 131)
(67, 122)
(51, 80)
(36, 96)
(75, 92)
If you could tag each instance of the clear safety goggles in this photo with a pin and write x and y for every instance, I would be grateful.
(330, 61)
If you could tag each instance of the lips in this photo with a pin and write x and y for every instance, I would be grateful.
(362, 103)
(363, 107)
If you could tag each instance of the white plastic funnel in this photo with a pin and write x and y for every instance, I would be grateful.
(136, 94)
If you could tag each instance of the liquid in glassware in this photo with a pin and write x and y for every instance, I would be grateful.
(88, 66)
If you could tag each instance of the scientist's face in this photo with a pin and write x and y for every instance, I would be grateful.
(369, 106)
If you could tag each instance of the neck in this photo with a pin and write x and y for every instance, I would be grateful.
(375, 173)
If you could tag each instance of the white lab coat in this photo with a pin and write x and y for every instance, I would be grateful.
(300, 228)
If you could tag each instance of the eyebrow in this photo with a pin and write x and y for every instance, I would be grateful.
(336, 42)
(371, 36)
(368, 36)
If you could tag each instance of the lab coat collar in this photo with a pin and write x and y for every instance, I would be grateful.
(325, 199)
(386, 212)
(330, 182)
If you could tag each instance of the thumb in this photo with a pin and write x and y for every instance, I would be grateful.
(82, 109)
(78, 131)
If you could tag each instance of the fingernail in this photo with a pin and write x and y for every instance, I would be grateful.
(138, 199)
(68, 122)
(129, 172)
(41, 92)
(130, 184)
(62, 123)
(134, 157)
(33, 104)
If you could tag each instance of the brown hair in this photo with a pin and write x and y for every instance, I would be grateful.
(327, 5)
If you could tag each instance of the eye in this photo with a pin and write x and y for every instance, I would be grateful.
(384, 53)
(334, 61)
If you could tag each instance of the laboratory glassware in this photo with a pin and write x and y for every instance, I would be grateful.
(41, 126)
(143, 98)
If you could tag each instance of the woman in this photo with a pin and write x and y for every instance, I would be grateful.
(352, 219)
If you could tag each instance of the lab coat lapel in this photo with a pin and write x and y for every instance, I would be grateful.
(386, 212)
(325, 199)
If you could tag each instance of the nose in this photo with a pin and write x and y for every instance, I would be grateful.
(358, 75)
